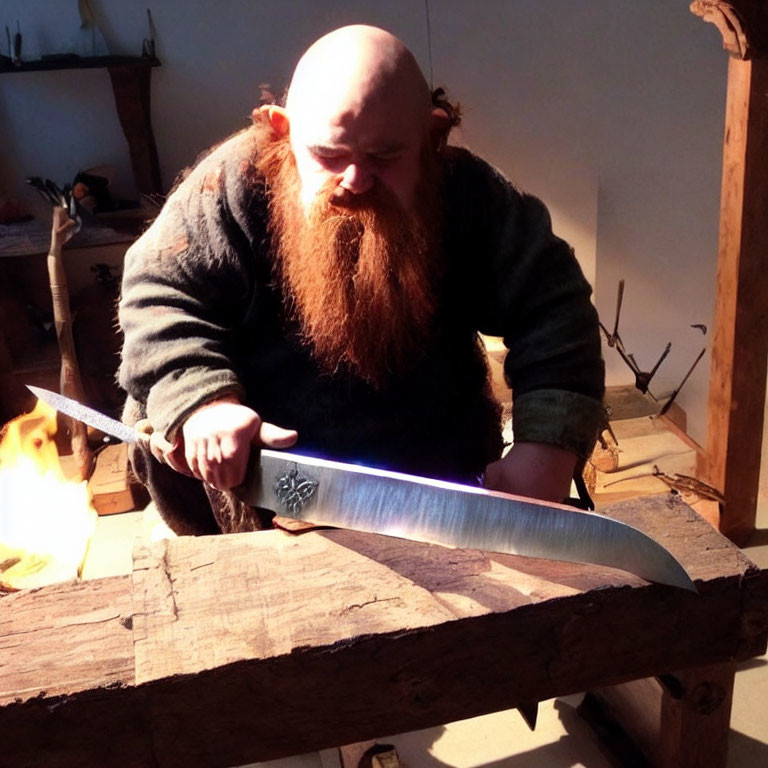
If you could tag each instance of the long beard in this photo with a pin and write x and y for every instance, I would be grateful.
(359, 274)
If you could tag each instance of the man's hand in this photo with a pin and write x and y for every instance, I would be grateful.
(215, 442)
(536, 470)
(218, 438)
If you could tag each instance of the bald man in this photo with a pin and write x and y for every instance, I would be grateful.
(319, 280)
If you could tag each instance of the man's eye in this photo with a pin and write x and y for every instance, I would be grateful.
(327, 155)
(385, 158)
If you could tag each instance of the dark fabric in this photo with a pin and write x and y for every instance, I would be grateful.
(189, 507)
(201, 316)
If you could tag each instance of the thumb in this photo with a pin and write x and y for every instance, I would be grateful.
(272, 436)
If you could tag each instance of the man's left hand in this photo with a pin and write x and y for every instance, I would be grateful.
(536, 470)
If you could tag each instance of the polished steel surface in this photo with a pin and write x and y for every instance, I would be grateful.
(394, 504)
(89, 416)
(417, 508)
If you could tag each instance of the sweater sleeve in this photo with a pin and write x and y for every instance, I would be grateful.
(184, 283)
(538, 300)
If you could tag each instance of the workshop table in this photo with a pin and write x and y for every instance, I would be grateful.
(223, 650)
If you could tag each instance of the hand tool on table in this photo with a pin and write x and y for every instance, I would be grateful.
(57, 197)
(434, 511)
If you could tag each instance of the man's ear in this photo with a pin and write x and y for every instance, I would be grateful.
(439, 127)
(275, 115)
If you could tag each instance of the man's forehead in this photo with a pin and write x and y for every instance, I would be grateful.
(374, 124)
(374, 134)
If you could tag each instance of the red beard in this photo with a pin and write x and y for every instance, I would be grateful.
(358, 272)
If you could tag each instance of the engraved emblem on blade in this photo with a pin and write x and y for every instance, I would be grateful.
(294, 490)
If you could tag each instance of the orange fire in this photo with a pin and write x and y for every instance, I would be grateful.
(46, 519)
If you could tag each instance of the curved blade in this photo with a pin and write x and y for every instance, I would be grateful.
(395, 504)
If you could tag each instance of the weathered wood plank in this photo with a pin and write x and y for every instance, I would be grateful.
(66, 638)
(268, 593)
(256, 646)
(740, 344)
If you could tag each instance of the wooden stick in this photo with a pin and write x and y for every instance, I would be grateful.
(70, 383)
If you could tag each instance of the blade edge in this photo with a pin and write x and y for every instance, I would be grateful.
(449, 514)
(84, 413)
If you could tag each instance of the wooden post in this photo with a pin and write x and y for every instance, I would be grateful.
(740, 344)
(678, 720)
(70, 383)
(131, 86)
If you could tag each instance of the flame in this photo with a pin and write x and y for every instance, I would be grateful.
(46, 519)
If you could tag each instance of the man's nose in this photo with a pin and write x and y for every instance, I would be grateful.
(356, 179)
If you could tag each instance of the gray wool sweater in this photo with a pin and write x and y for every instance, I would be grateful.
(202, 316)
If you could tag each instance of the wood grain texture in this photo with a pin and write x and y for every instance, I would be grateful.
(70, 380)
(681, 721)
(65, 638)
(740, 343)
(255, 646)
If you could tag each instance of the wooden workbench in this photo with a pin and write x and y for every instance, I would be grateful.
(219, 651)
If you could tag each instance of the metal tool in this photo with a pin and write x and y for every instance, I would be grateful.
(672, 397)
(89, 416)
(434, 511)
(148, 44)
(17, 46)
(642, 378)
(57, 196)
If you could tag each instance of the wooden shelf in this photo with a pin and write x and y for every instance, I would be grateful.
(73, 61)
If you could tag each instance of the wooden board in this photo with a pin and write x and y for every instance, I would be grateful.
(740, 344)
(63, 638)
(109, 483)
(643, 442)
(255, 646)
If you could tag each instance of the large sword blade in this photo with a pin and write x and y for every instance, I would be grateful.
(394, 504)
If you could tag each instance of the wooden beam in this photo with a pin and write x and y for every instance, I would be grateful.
(740, 344)
(680, 720)
(230, 649)
(131, 87)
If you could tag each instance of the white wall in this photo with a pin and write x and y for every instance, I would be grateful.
(610, 110)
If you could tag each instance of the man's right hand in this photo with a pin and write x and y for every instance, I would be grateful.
(216, 441)
(218, 438)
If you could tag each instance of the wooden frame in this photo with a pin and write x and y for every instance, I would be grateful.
(740, 346)
(223, 650)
